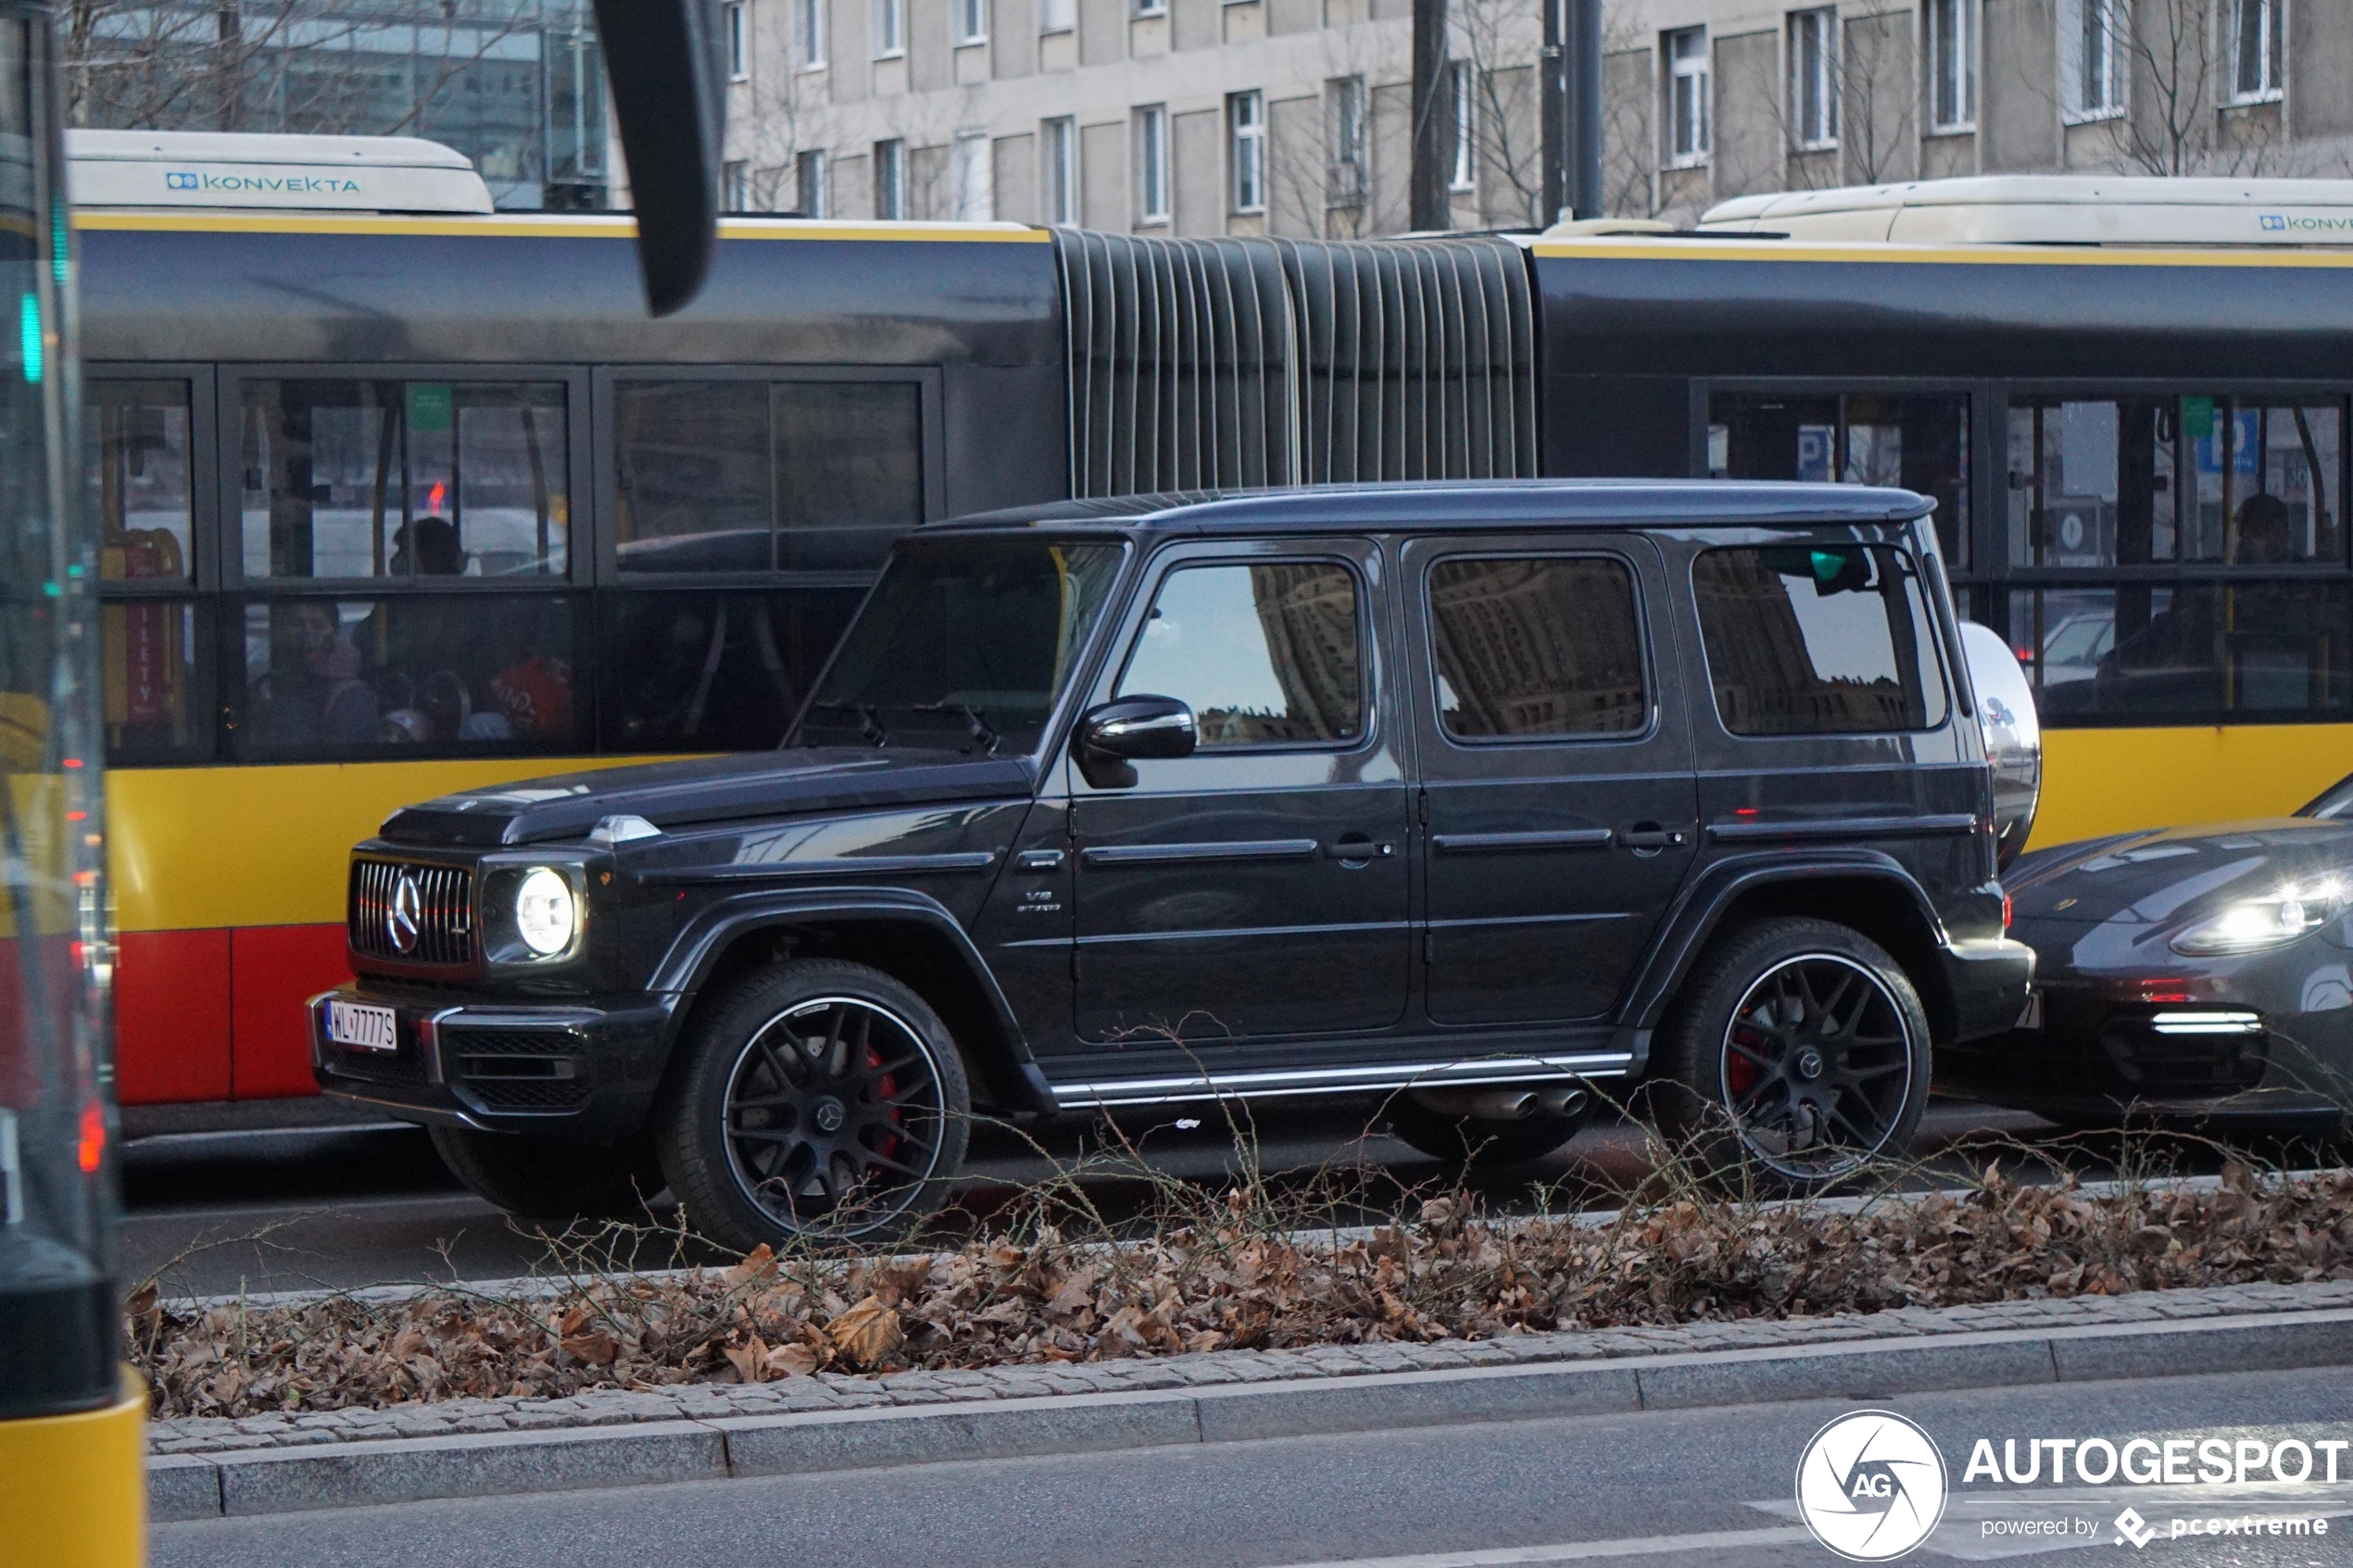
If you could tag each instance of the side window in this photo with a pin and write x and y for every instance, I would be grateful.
(1264, 655)
(136, 440)
(689, 670)
(357, 479)
(746, 476)
(1919, 441)
(1818, 640)
(154, 652)
(1531, 647)
(332, 677)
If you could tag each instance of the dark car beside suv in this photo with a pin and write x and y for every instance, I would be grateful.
(1481, 795)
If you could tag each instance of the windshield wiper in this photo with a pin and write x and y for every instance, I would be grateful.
(869, 725)
(983, 735)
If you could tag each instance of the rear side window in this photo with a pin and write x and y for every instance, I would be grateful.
(1262, 655)
(1818, 640)
(1531, 646)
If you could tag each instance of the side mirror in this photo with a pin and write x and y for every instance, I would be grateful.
(667, 98)
(1131, 729)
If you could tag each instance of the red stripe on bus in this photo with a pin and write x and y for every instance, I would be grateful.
(275, 970)
(171, 1016)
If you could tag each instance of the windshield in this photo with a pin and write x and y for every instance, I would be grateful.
(964, 643)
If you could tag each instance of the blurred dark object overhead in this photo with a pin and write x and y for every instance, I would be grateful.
(665, 95)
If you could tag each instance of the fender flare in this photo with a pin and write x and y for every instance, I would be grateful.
(1700, 908)
(684, 969)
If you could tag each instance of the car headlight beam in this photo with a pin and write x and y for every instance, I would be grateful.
(547, 914)
(2251, 925)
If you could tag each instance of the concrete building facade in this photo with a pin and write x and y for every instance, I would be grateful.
(1294, 117)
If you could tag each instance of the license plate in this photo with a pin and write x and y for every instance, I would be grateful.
(363, 1027)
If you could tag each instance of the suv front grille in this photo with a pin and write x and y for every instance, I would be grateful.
(443, 915)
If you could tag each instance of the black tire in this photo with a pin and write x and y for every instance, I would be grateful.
(552, 1181)
(1795, 1055)
(1478, 1142)
(814, 1099)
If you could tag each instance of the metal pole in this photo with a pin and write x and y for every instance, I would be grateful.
(1552, 117)
(1433, 124)
(1584, 177)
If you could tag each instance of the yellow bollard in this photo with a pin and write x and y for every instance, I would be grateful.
(73, 1488)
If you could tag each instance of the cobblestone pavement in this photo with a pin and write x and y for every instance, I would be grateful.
(835, 1391)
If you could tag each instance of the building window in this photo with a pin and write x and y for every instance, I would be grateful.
(735, 186)
(1951, 65)
(1151, 164)
(1813, 78)
(1461, 85)
(890, 179)
(2092, 57)
(1246, 120)
(1152, 7)
(809, 185)
(890, 28)
(1061, 143)
(739, 52)
(1345, 184)
(810, 18)
(1057, 15)
(971, 186)
(1686, 53)
(972, 22)
(2255, 59)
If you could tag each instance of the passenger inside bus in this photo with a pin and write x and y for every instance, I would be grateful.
(312, 691)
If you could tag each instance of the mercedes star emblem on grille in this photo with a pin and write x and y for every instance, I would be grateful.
(405, 918)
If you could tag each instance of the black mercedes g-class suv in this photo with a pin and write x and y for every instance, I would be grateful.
(1479, 796)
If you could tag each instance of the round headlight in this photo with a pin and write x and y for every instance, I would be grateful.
(546, 912)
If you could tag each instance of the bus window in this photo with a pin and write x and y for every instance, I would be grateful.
(700, 671)
(849, 472)
(153, 666)
(357, 479)
(1917, 441)
(136, 434)
(2144, 481)
(2186, 654)
(458, 674)
(749, 476)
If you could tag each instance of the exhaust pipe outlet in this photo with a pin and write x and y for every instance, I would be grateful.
(1508, 1103)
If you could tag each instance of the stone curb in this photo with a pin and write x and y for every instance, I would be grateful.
(1860, 1365)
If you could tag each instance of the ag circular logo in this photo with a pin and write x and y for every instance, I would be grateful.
(1870, 1485)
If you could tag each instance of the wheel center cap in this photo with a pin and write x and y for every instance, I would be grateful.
(828, 1114)
(1809, 1063)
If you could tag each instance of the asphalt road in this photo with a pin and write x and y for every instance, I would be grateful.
(303, 1207)
(1711, 1485)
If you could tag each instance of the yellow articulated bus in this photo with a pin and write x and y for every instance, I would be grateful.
(392, 504)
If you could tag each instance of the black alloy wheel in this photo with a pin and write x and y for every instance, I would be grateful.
(1797, 1052)
(822, 1100)
(1816, 1066)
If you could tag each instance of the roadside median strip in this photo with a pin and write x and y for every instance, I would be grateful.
(202, 1467)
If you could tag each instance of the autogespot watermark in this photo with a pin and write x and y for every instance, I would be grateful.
(1872, 1487)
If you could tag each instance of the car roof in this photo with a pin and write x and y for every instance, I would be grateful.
(1468, 504)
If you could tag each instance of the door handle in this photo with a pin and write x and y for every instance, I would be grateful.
(1358, 850)
(1653, 836)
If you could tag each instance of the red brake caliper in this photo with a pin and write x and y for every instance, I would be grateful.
(1741, 1074)
(885, 1087)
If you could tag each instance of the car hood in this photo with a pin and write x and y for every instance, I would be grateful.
(2171, 876)
(708, 789)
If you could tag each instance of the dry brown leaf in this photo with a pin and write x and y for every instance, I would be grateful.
(867, 1332)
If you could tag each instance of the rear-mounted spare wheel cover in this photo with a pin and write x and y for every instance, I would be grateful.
(2013, 735)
